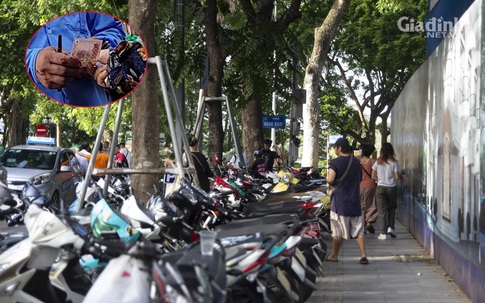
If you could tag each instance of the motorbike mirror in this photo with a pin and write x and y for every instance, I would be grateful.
(216, 159)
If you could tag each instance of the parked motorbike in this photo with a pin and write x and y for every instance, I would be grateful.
(14, 213)
(45, 266)
(286, 179)
(283, 274)
(143, 273)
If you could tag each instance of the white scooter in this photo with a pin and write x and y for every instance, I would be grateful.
(27, 273)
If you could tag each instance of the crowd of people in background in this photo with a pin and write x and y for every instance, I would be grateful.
(264, 159)
(366, 195)
(83, 154)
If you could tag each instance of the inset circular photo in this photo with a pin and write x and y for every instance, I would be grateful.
(86, 59)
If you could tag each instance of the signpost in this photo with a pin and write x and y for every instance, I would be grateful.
(277, 122)
(41, 130)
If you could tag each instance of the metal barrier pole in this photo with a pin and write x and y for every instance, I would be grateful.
(176, 147)
(121, 103)
(87, 178)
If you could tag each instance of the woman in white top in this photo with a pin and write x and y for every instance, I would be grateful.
(387, 172)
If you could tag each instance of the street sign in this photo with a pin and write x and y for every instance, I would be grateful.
(41, 130)
(169, 178)
(278, 121)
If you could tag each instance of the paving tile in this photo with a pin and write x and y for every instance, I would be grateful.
(399, 270)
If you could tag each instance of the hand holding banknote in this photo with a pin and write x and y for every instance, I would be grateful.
(93, 58)
(86, 50)
(56, 69)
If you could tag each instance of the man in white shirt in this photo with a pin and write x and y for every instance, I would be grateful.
(233, 162)
(83, 161)
(125, 152)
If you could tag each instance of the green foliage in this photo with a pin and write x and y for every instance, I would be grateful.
(19, 21)
(378, 58)
(263, 56)
(371, 40)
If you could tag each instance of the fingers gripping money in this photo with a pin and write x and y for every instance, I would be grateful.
(55, 70)
(66, 58)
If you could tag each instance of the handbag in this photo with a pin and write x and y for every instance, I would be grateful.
(331, 189)
(126, 67)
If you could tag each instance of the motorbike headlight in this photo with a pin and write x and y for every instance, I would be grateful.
(286, 178)
(41, 179)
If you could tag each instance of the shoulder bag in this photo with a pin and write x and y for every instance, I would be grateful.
(331, 189)
(366, 170)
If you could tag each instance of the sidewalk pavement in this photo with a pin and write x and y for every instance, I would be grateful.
(399, 270)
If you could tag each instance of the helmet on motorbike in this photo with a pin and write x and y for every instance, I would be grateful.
(40, 201)
(164, 210)
(29, 193)
(257, 153)
(106, 222)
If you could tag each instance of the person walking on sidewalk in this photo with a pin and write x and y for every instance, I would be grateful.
(368, 188)
(387, 172)
(346, 221)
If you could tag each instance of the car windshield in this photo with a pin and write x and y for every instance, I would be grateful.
(30, 159)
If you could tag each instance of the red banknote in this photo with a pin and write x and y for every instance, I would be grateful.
(86, 50)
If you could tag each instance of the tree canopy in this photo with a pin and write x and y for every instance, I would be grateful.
(374, 60)
(369, 63)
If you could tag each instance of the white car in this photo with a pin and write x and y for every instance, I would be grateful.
(54, 171)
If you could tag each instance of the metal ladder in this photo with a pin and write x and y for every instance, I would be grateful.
(203, 100)
(177, 132)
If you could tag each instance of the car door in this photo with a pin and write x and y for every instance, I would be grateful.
(67, 176)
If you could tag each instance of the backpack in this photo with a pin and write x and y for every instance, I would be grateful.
(261, 167)
(124, 163)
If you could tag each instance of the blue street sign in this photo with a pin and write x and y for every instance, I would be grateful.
(169, 178)
(278, 121)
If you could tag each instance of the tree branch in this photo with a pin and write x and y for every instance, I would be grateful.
(249, 11)
(352, 93)
(291, 14)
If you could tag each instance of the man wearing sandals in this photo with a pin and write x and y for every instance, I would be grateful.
(345, 174)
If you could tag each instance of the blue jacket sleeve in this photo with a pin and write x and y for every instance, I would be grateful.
(30, 60)
(105, 27)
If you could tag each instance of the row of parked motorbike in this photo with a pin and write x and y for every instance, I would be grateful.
(119, 250)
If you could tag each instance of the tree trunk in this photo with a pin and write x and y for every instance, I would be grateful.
(216, 70)
(311, 109)
(146, 102)
(17, 125)
(384, 129)
(252, 135)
